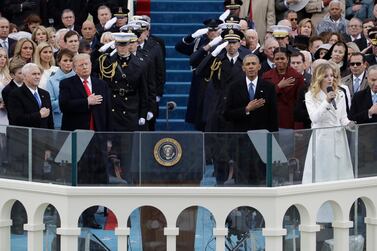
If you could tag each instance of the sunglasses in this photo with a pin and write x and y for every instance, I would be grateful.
(293, 19)
(355, 63)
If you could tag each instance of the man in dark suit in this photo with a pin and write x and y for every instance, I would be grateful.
(6, 42)
(85, 104)
(29, 105)
(269, 46)
(364, 110)
(251, 112)
(251, 105)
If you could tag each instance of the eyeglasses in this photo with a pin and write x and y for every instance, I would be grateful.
(354, 26)
(355, 63)
(68, 17)
(293, 19)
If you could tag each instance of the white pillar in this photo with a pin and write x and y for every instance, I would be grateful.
(220, 234)
(308, 237)
(122, 234)
(34, 236)
(68, 238)
(171, 236)
(5, 234)
(273, 238)
(341, 235)
(371, 225)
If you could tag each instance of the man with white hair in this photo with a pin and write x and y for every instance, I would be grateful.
(251, 37)
(29, 105)
(334, 21)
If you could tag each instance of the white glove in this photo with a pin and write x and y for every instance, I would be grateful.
(113, 52)
(158, 98)
(110, 23)
(215, 41)
(199, 32)
(141, 121)
(149, 116)
(106, 46)
(219, 49)
(223, 16)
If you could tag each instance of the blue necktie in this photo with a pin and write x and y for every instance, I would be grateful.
(36, 96)
(251, 91)
(356, 85)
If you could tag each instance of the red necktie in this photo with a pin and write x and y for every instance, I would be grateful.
(88, 92)
(251, 11)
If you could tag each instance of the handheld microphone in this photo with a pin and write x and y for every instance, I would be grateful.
(330, 89)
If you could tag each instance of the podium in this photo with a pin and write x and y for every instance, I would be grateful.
(168, 159)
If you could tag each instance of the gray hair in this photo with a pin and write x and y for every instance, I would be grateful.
(26, 69)
(80, 56)
(372, 68)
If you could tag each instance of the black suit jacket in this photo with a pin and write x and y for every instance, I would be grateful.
(74, 105)
(23, 109)
(7, 90)
(264, 117)
(11, 45)
(361, 103)
(371, 59)
(361, 43)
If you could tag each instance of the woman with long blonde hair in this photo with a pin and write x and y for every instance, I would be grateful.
(44, 58)
(24, 50)
(325, 102)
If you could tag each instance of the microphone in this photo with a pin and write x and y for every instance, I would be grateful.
(330, 89)
(171, 105)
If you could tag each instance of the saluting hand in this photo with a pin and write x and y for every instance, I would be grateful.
(95, 99)
(45, 112)
(255, 104)
(286, 82)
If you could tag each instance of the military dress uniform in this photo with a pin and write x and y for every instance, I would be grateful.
(128, 86)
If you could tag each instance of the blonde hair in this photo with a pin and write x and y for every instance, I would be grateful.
(37, 55)
(5, 70)
(106, 35)
(305, 21)
(44, 30)
(19, 44)
(319, 75)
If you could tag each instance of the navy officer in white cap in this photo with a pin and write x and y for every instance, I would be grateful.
(123, 71)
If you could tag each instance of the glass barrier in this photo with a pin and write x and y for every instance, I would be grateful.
(310, 156)
(255, 158)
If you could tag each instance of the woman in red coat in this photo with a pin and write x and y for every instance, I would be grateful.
(287, 82)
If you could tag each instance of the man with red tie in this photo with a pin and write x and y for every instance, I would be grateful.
(84, 100)
(85, 104)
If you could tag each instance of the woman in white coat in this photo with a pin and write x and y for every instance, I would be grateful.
(332, 159)
(328, 157)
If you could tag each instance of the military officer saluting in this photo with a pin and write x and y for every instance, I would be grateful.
(124, 73)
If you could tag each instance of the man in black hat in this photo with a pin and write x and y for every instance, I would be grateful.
(234, 6)
(120, 19)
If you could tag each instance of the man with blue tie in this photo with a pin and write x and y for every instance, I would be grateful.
(250, 105)
(29, 105)
(251, 101)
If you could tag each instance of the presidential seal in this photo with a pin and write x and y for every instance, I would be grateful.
(167, 152)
